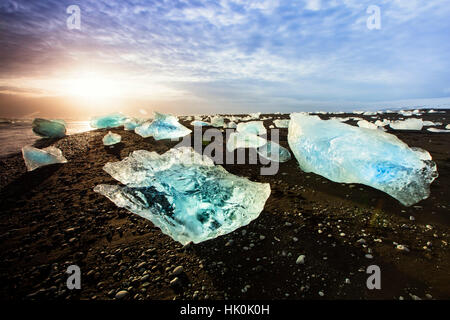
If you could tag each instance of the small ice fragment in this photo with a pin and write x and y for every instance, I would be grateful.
(184, 193)
(111, 139)
(163, 127)
(438, 130)
(366, 124)
(132, 123)
(408, 124)
(198, 123)
(244, 140)
(109, 121)
(348, 154)
(274, 152)
(217, 121)
(232, 125)
(49, 128)
(281, 123)
(35, 158)
(253, 127)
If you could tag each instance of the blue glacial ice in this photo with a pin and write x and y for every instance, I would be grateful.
(198, 123)
(349, 154)
(217, 121)
(281, 123)
(132, 123)
(164, 126)
(244, 140)
(49, 128)
(111, 139)
(408, 124)
(109, 121)
(274, 152)
(35, 158)
(252, 127)
(184, 193)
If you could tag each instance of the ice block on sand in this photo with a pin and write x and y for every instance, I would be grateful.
(164, 126)
(184, 193)
(35, 158)
(274, 152)
(109, 121)
(49, 128)
(198, 123)
(253, 127)
(281, 123)
(111, 139)
(348, 154)
(408, 124)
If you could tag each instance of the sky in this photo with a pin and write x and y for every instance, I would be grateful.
(227, 56)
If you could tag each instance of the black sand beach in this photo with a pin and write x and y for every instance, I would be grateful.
(51, 218)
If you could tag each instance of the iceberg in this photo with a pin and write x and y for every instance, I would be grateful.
(111, 139)
(348, 154)
(281, 123)
(217, 121)
(164, 126)
(110, 121)
(408, 124)
(184, 193)
(198, 123)
(232, 125)
(35, 158)
(244, 140)
(49, 128)
(366, 124)
(252, 127)
(438, 130)
(274, 152)
(132, 123)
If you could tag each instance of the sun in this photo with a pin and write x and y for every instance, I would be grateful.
(92, 86)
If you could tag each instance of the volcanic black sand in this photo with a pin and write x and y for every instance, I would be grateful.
(51, 218)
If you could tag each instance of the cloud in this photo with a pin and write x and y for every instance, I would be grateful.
(313, 5)
(259, 52)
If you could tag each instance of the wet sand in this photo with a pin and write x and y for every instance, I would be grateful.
(50, 218)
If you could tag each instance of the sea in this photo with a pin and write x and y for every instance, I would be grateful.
(17, 133)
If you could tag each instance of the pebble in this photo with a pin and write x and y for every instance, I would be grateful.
(123, 294)
(402, 248)
(177, 271)
(300, 259)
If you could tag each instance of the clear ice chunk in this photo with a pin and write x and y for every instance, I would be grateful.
(184, 193)
(349, 154)
(281, 123)
(111, 138)
(232, 125)
(217, 121)
(253, 127)
(132, 123)
(274, 152)
(109, 121)
(49, 128)
(198, 123)
(436, 130)
(408, 124)
(164, 126)
(244, 140)
(366, 124)
(35, 158)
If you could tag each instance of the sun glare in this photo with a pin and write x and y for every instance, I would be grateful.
(92, 86)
